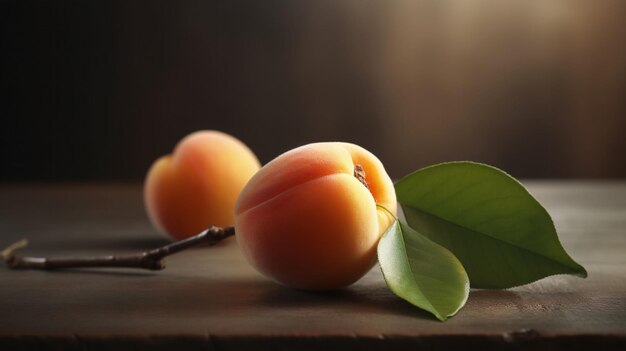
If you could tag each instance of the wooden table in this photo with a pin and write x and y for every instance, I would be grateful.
(209, 298)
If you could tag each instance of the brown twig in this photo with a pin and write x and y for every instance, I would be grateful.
(151, 260)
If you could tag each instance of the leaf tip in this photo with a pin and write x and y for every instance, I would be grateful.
(577, 269)
(582, 272)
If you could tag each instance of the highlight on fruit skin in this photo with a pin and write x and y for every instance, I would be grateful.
(312, 217)
(197, 185)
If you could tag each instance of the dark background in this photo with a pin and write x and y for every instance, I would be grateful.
(96, 90)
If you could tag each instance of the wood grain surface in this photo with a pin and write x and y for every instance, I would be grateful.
(210, 298)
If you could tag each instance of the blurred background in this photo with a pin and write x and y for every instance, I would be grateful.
(98, 89)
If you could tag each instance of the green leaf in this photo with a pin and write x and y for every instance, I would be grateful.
(501, 234)
(422, 272)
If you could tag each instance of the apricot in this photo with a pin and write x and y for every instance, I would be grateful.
(198, 184)
(309, 219)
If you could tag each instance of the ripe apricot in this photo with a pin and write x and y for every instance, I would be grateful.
(309, 219)
(197, 185)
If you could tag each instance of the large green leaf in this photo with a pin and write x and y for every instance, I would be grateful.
(422, 272)
(501, 234)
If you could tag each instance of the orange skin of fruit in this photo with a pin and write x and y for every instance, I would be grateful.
(198, 184)
(307, 222)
